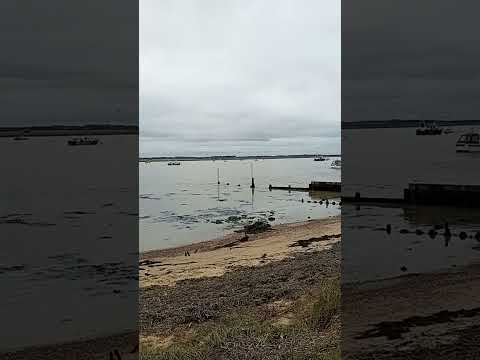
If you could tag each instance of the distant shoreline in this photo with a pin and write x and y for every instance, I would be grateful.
(395, 123)
(228, 157)
(59, 130)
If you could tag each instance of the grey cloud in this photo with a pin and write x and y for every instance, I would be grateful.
(239, 70)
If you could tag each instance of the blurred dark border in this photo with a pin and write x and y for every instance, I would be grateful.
(69, 214)
(410, 209)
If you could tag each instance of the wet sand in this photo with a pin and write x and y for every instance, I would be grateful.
(421, 316)
(126, 345)
(215, 257)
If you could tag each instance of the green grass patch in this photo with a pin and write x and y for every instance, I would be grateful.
(327, 305)
(250, 335)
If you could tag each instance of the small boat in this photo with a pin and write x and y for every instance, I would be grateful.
(82, 141)
(429, 129)
(173, 163)
(336, 164)
(319, 158)
(469, 142)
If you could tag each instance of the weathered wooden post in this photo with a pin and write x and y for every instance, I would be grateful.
(253, 180)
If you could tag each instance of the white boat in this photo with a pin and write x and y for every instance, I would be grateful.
(468, 143)
(336, 164)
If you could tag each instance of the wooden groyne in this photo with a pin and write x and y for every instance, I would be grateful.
(443, 194)
(325, 186)
(428, 194)
(328, 186)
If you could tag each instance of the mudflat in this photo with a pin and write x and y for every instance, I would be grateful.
(417, 316)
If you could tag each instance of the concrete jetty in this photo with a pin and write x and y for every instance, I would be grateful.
(314, 186)
(443, 194)
(428, 194)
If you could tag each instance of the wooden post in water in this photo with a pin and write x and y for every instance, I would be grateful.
(218, 176)
(253, 180)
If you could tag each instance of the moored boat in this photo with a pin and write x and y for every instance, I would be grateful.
(469, 142)
(82, 141)
(336, 164)
(429, 129)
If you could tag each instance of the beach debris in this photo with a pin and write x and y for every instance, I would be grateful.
(233, 218)
(271, 218)
(404, 231)
(333, 202)
(257, 227)
(218, 221)
(244, 238)
(308, 201)
(438, 227)
(477, 235)
(432, 233)
(228, 183)
(150, 263)
(419, 232)
(306, 242)
(264, 256)
(403, 268)
(326, 202)
(303, 200)
(462, 235)
(315, 201)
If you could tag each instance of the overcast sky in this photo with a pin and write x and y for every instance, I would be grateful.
(410, 60)
(239, 76)
(68, 62)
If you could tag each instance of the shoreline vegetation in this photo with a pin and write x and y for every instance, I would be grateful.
(275, 295)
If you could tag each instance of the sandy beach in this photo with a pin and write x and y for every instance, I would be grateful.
(215, 257)
(259, 292)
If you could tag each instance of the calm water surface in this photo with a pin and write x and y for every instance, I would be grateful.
(182, 204)
(392, 159)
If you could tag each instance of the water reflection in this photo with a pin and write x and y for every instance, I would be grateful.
(419, 239)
